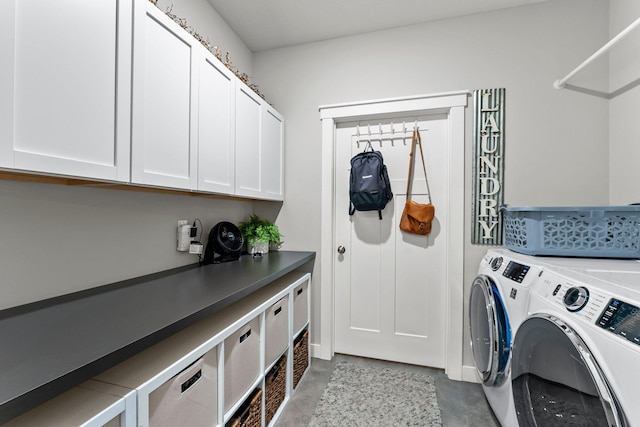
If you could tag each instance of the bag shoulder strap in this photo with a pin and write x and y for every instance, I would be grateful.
(417, 140)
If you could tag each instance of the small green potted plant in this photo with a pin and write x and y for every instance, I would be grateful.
(260, 234)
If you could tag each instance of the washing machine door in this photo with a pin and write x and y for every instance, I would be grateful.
(490, 331)
(556, 380)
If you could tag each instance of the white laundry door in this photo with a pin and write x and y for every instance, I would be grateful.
(390, 285)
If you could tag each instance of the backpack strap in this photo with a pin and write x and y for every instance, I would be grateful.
(368, 147)
(417, 140)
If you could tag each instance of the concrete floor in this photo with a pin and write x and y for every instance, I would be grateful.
(461, 404)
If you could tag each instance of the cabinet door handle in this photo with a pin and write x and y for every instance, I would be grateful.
(300, 291)
(278, 310)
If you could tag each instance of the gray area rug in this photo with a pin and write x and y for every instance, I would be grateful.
(362, 395)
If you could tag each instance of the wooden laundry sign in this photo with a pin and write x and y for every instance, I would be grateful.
(488, 166)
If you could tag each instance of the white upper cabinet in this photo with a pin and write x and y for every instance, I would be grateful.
(116, 90)
(259, 147)
(65, 87)
(216, 126)
(272, 129)
(248, 113)
(164, 143)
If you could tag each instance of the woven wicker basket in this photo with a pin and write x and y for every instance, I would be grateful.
(300, 356)
(275, 388)
(250, 413)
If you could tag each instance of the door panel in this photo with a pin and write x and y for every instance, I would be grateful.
(216, 127)
(248, 153)
(67, 110)
(390, 285)
(165, 108)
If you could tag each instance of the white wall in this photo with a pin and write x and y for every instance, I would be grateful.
(624, 131)
(59, 239)
(200, 15)
(556, 151)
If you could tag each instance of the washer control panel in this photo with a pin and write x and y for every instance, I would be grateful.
(573, 297)
(622, 319)
(515, 271)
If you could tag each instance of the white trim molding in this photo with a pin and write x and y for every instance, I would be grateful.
(452, 104)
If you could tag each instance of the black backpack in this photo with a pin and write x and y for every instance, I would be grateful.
(369, 186)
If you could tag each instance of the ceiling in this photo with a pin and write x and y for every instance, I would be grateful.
(269, 24)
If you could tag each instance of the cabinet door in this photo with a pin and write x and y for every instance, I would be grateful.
(248, 150)
(259, 147)
(163, 146)
(272, 153)
(65, 83)
(216, 126)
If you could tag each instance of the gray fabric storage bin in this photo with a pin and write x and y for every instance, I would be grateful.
(276, 338)
(189, 398)
(300, 306)
(241, 362)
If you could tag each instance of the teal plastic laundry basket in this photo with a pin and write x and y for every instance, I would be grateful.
(591, 232)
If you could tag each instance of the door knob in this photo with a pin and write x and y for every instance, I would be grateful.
(341, 250)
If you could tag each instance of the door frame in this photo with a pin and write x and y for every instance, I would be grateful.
(452, 104)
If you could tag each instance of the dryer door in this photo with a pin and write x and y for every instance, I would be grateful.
(490, 331)
(556, 380)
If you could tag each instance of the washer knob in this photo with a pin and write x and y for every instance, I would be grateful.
(496, 263)
(576, 298)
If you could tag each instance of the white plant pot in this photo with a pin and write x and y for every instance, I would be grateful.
(259, 246)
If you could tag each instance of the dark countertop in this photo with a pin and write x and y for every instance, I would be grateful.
(50, 346)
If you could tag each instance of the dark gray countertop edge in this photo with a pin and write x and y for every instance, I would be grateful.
(20, 404)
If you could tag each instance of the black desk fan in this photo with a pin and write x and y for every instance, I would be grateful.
(225, 239)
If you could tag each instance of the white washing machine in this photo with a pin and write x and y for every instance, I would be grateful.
(497, 307)
(576, 355)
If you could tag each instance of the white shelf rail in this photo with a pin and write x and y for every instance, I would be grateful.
(560, 84)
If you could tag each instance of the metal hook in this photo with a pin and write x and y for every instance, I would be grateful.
(392, 134)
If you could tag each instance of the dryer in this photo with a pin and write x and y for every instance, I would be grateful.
(576, 356)
(498, 305)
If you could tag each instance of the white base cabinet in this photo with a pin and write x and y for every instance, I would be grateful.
(201, 375)
(236, 336)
